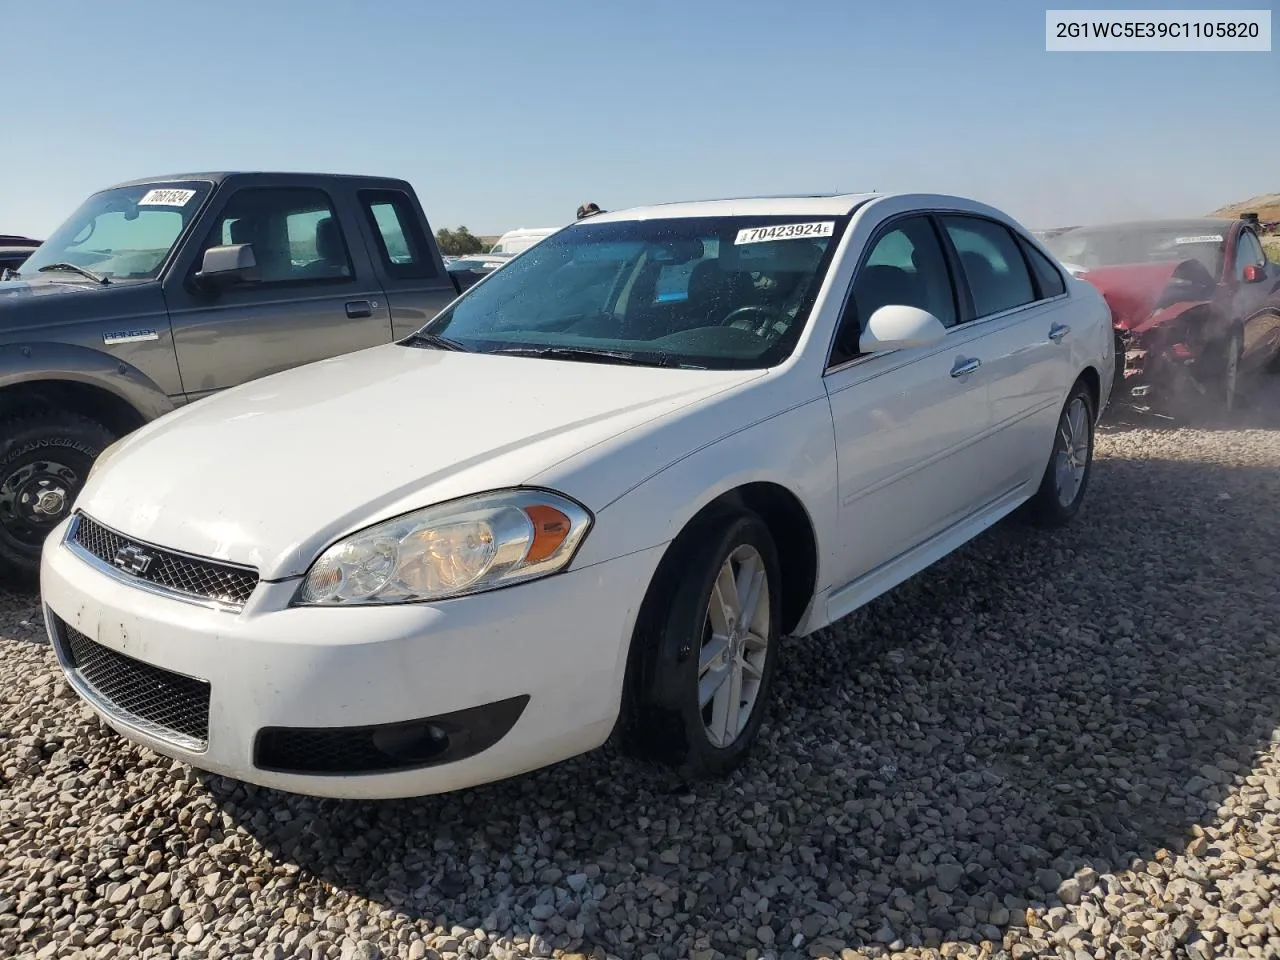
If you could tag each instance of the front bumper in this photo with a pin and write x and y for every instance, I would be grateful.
(514, 679)
(1145, 368)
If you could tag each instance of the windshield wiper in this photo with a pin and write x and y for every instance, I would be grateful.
(76, 268)
(432, 340)
(596, 356)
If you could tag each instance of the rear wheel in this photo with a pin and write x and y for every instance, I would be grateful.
(1066, 478)
(44, 462)
(704, 651)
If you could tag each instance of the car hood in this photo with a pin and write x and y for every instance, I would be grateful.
(269, 473)
(1137, 292)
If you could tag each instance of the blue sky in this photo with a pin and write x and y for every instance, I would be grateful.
(506, 114)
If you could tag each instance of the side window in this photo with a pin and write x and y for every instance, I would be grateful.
(993, 266)
(295, 233)
(1048, 277)
(906, 266)
(1248, 251)
(398, 233)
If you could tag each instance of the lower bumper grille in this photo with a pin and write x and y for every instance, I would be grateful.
(389, 747)
(164, 704)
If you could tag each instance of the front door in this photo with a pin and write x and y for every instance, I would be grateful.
(909, 423)
(1252, 302)
(317, 297)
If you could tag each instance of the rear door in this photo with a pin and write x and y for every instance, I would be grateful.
(1020, 307)
(318, 296)
(407, 262)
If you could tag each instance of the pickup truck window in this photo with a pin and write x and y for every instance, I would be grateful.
(395, 227)
(124, 233)
(295, 233)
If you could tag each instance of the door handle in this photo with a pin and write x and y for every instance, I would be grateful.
(1058, 331)
(964, 366)
(359, 308)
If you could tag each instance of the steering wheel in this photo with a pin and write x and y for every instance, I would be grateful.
(760, 328)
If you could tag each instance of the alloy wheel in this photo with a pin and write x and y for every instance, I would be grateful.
(1072, 454)
(735, 645)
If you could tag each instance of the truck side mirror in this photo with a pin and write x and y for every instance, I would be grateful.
(227, 265)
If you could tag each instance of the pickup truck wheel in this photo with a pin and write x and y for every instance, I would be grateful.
(706, 646)
(44, 461)
(1066, 478)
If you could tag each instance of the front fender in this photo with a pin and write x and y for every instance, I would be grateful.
(794, 449)
(37, 361)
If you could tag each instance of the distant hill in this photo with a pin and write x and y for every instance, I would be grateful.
(1266, 206)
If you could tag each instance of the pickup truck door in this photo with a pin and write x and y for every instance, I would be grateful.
(405, 258)
(317, 297)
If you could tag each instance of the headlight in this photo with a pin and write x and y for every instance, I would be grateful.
(450, 550)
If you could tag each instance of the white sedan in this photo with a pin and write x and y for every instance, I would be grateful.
(587, 499)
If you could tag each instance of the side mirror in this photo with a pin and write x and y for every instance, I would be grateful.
(231, 264)
(1254, 273)
(899, 327)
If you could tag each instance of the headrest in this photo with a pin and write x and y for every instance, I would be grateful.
(328, 239)
(244, 231)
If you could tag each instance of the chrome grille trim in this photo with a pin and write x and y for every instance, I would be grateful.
(216, 584)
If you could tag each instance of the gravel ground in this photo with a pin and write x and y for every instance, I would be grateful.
(1048, 745)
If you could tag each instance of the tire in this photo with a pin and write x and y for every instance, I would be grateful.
(663, 719)
(1063, 487)
(44, 460)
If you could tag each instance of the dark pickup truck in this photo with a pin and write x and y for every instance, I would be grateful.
(158, 292)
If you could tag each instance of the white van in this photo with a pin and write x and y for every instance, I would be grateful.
(518, 241)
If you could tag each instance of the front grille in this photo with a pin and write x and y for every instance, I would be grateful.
(194, 577)
(167, 705)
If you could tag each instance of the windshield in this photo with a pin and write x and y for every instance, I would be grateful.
(124, 233)
(722, 292)
(1090, 247)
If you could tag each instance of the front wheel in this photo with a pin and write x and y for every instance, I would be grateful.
(44, 461)
(704, 651)
(1231, 370)
(1066, 478)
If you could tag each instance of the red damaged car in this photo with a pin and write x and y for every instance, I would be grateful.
(1196, 303)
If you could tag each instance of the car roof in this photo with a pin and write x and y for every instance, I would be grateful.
(1185, 225)
(800, 205)
(217, 177)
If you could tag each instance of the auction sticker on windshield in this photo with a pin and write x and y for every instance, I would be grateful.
(786, 231)
(1208, 238)
(166, 198)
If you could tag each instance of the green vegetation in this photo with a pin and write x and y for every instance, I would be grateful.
(459, 242)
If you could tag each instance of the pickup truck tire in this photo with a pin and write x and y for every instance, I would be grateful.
(44, 461)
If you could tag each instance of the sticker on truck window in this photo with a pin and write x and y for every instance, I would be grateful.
(166, 198)
(786, 231)
(1207, 238)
